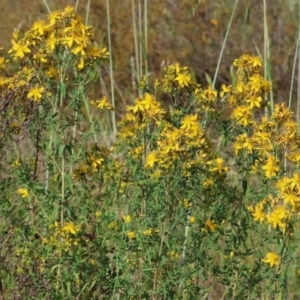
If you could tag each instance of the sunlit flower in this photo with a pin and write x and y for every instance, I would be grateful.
(183, 79)
(70, 227)
(23, 192)
(272, 258)
(277, 217)
(271, 167)
(19, 49)
(210, 226)
(151, 160)
(35, 92)
(131, 235)
(127, 218)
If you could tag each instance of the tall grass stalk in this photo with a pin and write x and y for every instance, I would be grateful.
(136, 47)
(186, 234)
(298, 81)
(140, 40)
(76, 5)
(266, 59)
(47, 6)
(113, 113)
(294, 63)
(87, 12)
(224, 43)
(146, 38)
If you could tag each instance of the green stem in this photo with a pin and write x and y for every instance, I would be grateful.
(113, 113)
(223, 45)
(47, 6)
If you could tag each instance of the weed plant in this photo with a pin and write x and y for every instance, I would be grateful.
(195, 200)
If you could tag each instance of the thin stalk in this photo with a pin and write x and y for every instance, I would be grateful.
(298, 81)
(298, 91)
(87, 107)
(136, 47)
(140, 40)
(294, 68)
(113, 113)
(267, 55)
(293, 76)
(47, 6)
(224, 43)
(76, 5)
(146, 37)
(62, 211)
(62, 72)
(87, 12)
(186, 234)
(133, 82)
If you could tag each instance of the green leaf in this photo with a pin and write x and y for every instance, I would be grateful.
(63, 89)
(69, 148)
(69, 181)
(233, 75)
(208, 79)
(61, 150)
(244, 185)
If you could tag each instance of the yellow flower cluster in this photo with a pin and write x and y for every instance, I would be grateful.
(176, 78)
(95, 160)
(63, 29)
(268, 140)
(63, 238)
(272, 258)
(61, 39)
(23, 192)
(102, 104)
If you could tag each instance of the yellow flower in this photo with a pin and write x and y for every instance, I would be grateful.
(19, 49)
(185, 203)
(192, 219)
(149, 101)
(102, 104)
(190, 127)
(258, 213)
(255, 61)
(243, 115)
(139, 107)
(210, 225)
(3, 62)
(220, 162)
(271, 258)
(51, 42)
(270, 167)
(80, 66)
(150, 231)
(172, 254)
(23, 192)
(70, 227)
(254, 101)
(225, 90)
(277, 216)
(151, 160)
(36, 92)
(183, 79)
(39, 27)
(113, 225)
(127, 219)
(53, 17)
(79, 49)
(131, 235)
